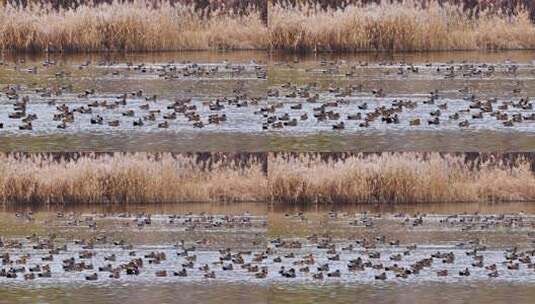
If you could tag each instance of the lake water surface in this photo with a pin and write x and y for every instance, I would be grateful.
(246, 82)
(120, 230)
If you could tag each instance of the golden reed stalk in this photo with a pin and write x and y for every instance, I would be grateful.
(144, 178)
(141, 25)
(398, 26)
(144, 25)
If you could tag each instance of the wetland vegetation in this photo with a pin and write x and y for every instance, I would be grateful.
(282, 178)
(143, 25)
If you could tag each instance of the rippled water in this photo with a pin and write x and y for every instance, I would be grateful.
(205, 76)
(445, 228)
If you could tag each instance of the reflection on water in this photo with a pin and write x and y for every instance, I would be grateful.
(404, 293)
(240, 293)
(206, 76)
(186, 293)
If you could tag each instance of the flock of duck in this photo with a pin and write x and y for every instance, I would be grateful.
(354, 104)
(324, 255)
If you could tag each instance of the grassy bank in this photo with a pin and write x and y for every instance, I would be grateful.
(146, 178)
(399, 26)
(133, 26)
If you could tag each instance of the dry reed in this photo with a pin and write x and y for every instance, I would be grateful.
(140, 25)
(396, 178)
(403, 26)
(144, 178)
(145, 25)
(137, 178)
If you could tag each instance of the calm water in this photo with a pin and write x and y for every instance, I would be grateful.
(254, 227)
(245, 78)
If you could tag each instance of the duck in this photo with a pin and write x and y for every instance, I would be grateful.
(464, 124)
(493, 274)
(464, 272)
(210, 275)
(161, 273)
(198, 124)
(414, 122)
(334, 274)
(317, 276)
(381, 276)
(45, 274)
(27, 126)
(138, 123)
(129, 113)
(339, 126)
(291, 123)
(97, 120)
(181, 273)
(434, 121)
(262, 274)
(115, 274)
(454, 116)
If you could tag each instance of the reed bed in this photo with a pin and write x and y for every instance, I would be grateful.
(398, 178)
(135, 178)
(153, 25)
(398, 26)
(305, 178)
(140, 25)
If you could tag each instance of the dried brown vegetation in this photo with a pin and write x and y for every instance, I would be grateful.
(394, 178)
(314, 25)
(143, 178)
(398, 26)
(132, 26)
(126, 179)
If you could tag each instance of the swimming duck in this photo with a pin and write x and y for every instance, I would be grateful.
(381, 276)
(181, 273)
(464, 272)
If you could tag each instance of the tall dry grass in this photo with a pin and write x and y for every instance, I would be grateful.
(141, 25)
(150, 25)
(137, 178)
(398, 26)
(395, 178)
(145, 178)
